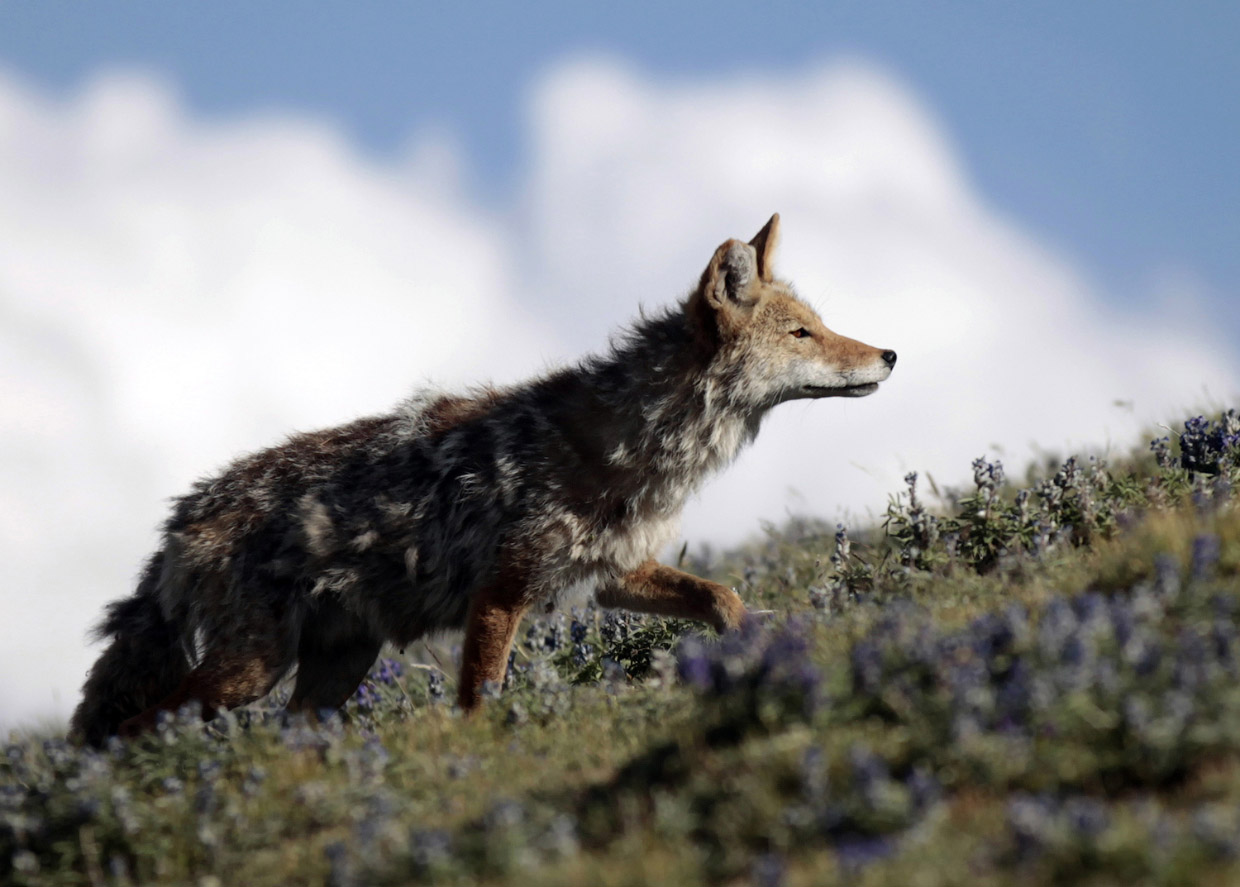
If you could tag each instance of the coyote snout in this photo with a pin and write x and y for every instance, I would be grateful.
(859, 380)
(465, 510)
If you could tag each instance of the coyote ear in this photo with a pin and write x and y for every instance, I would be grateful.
(727, 278)
(764, 243)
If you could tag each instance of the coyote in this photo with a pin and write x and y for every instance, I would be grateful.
(463, 510)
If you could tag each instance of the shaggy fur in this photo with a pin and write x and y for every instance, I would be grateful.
(463, 510)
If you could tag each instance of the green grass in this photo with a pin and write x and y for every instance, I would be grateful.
(1032, 682)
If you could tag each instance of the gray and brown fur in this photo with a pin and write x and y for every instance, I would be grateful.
(464, 510)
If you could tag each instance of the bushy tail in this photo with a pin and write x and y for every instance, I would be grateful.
(143, 664)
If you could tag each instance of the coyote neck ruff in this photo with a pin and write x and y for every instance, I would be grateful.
(463, 510)
(582, 475)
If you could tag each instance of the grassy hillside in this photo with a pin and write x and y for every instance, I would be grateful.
(1030, 681)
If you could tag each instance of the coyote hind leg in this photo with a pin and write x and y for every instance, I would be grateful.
(333, 656)
(219, 683)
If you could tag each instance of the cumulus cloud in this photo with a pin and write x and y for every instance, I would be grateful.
(174, 291)
(1003, 346)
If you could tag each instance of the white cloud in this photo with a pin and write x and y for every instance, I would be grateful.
(1000, 341)
(174, 291)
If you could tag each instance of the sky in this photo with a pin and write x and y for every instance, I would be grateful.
(220, 224)
(1107, 127)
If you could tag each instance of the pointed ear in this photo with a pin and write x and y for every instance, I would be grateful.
(728, 276)
(764, 243)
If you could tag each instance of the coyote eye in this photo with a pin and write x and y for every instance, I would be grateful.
(802, 333)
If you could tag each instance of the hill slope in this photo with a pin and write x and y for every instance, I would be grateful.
(1036, 681)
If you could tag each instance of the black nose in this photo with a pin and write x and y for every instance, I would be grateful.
(889, 357)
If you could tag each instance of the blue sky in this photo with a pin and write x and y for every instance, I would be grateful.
(1110, 129)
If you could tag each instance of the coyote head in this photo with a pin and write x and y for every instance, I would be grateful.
(770, 345)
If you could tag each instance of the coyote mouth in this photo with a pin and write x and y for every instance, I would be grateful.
(846, 391)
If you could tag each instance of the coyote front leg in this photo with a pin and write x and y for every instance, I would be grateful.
(494, 614)
(666, 591)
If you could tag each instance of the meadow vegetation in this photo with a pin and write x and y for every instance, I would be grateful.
(1033, 680)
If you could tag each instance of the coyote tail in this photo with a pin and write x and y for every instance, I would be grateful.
(145, 662)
